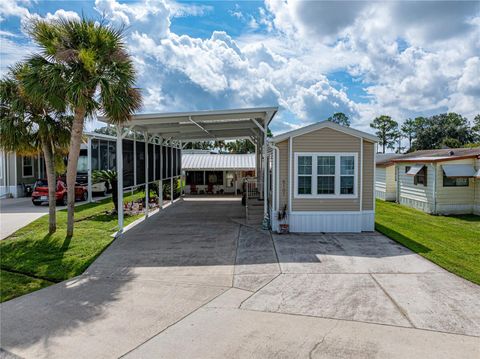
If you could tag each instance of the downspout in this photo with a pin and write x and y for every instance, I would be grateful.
(276, 180)
(434, 165)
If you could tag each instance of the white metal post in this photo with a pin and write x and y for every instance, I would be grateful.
(171, 173)
(89, 168)
(134, 158)
(145, 134)
(120, 178)
(160, 189)
(265, 223)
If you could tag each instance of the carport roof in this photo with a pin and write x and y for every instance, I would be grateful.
(203, 125)
(207, 161)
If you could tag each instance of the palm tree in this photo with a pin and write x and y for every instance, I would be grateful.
(84, 66)
(110, 177)
(30, 127)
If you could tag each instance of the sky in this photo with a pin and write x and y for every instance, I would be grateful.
(311, 58)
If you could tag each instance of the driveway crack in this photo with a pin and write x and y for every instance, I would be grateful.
(399, 308)
(317, 345)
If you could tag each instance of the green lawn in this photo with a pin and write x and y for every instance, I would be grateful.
(32, 259)
(452, 242)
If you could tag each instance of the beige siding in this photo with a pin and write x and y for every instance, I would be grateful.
(454, 199)
(326, 140)
(368, 175)
(283, 169)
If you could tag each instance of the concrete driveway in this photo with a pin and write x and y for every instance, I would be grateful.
(193, 282)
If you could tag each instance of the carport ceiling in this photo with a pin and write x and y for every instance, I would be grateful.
(203, 125)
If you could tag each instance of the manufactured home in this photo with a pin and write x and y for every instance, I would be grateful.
(445, 181)
(324, 178)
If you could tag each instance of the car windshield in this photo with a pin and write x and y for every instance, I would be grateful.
(41, 183)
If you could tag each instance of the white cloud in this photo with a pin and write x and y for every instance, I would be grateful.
(413, 57)
(13, 8)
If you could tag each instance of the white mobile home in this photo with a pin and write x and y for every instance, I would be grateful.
(440, 181)
(385, 180)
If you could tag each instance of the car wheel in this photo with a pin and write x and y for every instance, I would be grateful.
(85, 196)
(64, 200)
(36, 203)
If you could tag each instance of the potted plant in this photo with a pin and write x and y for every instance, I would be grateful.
(282, 218)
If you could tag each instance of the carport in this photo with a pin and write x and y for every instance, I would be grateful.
(178, 128)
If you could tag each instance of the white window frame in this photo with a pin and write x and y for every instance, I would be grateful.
(337, 194)
(23, 167)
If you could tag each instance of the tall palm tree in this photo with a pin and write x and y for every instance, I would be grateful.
(30, 127)
(84, 65)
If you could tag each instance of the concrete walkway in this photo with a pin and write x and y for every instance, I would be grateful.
(193, 282)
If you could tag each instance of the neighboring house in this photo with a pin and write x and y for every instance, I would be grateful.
(17, 171)
(222, 173)
(324, 177)
(453, 193)
(385, 182)
(443, 181)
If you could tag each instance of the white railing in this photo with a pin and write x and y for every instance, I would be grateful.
(253, 187)
(253, 190)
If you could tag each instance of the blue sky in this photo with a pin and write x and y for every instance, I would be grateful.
(312, 59)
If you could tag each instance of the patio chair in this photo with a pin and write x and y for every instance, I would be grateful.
(210, 188)
(193, 189)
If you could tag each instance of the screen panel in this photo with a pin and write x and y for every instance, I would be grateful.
(150, 162)
(127, 163)
(140, 162)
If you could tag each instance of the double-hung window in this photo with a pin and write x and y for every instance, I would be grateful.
(305, 175)
(325, 175)
(27, 166)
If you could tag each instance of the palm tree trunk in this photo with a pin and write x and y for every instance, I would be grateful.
(74, 152)
(52, 186)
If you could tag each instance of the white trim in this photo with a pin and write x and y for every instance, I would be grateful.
(23, 167)
(325, 124)
(314, 175)
(330, 212)
(361, 175)
(290, 184)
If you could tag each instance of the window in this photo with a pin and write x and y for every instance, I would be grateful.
(27, 166)
(214, 177)
(347, 174)
(194, 177)
(305, 175)
(455, 182)
(325, 175)
(421, 177)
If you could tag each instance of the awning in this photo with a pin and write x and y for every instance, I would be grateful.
(463, 171)
(414, 170)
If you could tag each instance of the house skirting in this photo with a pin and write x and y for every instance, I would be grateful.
(421, 205)
(447, 209)
(385, 196)
(311, 222)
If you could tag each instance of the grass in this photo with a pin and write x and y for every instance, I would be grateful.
(452, 242)
(32, 259)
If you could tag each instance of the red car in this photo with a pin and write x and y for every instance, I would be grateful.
(40, 192)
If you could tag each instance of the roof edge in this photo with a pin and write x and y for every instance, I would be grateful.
(324, 124)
